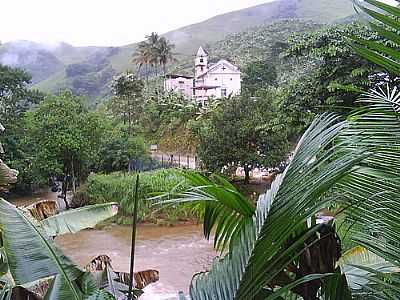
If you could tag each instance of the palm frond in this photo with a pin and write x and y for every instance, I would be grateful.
(372, 192)
(225, 209)
(354, 262)
(296, 195)
(385, 20)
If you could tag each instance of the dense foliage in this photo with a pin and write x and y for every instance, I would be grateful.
(345, 166)
(127, 102)
(242, 132)
(331, 75)
(65, 136)
(15, 100)
(119, 187)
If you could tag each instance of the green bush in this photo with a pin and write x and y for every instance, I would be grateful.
(120, 187)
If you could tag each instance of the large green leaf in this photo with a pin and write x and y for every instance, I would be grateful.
(74, 220)
(296, 195)
(32, 255)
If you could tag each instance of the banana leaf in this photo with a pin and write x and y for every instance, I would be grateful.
(32, 255)
(74, 220)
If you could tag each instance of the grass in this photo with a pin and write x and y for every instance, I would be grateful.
(118, 187)
(53, 83)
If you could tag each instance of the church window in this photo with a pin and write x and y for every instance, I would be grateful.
(216, 78)
(201, 60)
(223, 92)
(231, 79)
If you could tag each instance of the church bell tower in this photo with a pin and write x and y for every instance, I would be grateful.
(201, 62)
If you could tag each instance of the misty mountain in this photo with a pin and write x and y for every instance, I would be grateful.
(35, 58)
(88, 70)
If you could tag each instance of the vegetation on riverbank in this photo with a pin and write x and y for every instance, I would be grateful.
(119, 187)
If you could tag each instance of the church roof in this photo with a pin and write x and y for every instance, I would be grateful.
(224, 62)
(201, 52)
(174, 76)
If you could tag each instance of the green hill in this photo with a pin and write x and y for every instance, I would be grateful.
(88, 70)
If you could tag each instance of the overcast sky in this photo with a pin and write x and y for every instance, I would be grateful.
(104, 22)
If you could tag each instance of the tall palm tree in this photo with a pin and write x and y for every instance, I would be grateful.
(165, 54)
(153, 41)
(142, 57)
(153, 52)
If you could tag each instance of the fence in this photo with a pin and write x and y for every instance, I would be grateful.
(176, 160)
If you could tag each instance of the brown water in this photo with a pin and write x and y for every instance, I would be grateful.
(176, 252)
(28, 200)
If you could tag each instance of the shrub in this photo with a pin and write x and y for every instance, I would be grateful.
(120, 187)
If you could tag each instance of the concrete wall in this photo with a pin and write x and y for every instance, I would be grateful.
(180, 85)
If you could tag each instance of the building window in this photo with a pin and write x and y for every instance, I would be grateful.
(202, 68)
(216, 78)
(223, 92)
(201, 60)
(231, 79)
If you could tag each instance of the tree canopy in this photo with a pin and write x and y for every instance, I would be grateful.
(243, 132)
(65, 135)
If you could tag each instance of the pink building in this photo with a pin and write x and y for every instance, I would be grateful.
(180, 84)
(218, 80)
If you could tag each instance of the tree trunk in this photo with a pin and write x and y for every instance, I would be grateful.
(65, 185)
(147, 75)
(73, 175)
(246, 174)
(129, 117)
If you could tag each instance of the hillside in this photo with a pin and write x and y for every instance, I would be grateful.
(188, 39)
(262, 43)
(88, 70)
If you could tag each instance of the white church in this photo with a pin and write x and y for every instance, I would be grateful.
(218, 80)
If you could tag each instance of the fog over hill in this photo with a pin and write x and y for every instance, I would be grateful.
(88, 70)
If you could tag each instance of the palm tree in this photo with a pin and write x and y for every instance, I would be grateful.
(142, 57)
(153, 41)
(165, 54)
(153, 52)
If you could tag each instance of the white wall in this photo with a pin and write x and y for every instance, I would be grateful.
(226, 79)
(180, 84)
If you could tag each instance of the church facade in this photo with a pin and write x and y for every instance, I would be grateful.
(218, 80)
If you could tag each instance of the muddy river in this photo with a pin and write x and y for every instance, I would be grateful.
(176, 252)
